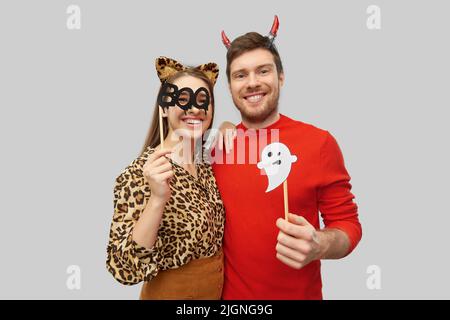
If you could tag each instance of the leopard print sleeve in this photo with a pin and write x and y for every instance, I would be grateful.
(127, 261)
(191, 227)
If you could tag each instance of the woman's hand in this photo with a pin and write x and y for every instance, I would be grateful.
(158, 171)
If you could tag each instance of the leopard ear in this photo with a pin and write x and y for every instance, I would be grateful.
(211, 70)
(165, 67)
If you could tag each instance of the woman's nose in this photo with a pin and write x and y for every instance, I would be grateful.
(193, 110)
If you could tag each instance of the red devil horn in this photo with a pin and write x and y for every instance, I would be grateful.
(225, 40)
(275, 25)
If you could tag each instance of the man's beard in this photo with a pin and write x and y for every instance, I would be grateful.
(262, 114)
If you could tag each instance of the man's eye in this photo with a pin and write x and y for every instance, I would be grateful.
(264, 71)
(239, 76)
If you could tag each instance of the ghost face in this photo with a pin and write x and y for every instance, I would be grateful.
(276, 160)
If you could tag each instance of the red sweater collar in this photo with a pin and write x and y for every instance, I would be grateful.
(277, 124)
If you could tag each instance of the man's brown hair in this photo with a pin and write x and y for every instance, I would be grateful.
(251, 41)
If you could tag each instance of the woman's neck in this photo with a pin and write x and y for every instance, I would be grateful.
(183, 151)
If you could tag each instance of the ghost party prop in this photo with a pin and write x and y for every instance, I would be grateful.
(276, 160)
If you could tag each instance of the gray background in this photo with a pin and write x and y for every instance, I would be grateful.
(76, 105)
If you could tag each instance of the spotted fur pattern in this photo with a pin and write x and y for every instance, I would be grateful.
(165, 67)
(191, 227)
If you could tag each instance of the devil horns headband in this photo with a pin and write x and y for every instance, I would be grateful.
(272, 34)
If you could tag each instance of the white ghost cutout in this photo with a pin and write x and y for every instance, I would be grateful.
(276, 160)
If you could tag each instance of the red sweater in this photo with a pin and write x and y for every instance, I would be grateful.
(318, 181)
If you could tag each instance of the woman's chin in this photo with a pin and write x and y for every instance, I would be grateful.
(191, 135)
(191, 132)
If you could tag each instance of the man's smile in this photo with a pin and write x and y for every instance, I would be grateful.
(254, 97)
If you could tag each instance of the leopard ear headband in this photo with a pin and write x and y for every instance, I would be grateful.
(272, 34)
(166, 67)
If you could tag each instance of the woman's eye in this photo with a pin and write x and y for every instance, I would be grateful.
(183, 97)
(202, 102)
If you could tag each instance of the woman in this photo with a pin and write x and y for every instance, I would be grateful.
(168, 219)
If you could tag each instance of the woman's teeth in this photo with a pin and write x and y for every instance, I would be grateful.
(193, 121)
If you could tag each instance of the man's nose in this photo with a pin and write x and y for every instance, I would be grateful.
(253, 80)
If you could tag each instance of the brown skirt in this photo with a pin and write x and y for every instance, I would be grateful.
(199, 279)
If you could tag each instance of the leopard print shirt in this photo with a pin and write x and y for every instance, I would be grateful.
(191, 228)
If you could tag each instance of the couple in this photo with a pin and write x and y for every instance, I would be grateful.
(169, 210)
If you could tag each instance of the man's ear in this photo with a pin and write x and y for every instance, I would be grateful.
(281, 79)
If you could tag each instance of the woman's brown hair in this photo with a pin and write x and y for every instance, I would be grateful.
(153, 138)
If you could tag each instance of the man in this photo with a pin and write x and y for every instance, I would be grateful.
(267, 257)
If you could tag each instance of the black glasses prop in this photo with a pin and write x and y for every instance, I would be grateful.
(185, 98)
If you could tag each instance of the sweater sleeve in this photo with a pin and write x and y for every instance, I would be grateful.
(129, 262)
(336, 203)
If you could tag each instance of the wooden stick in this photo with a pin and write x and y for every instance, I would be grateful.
(161, 131)
(286, 204)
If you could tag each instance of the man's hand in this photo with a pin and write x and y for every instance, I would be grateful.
(224, 136)
(298, 242)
